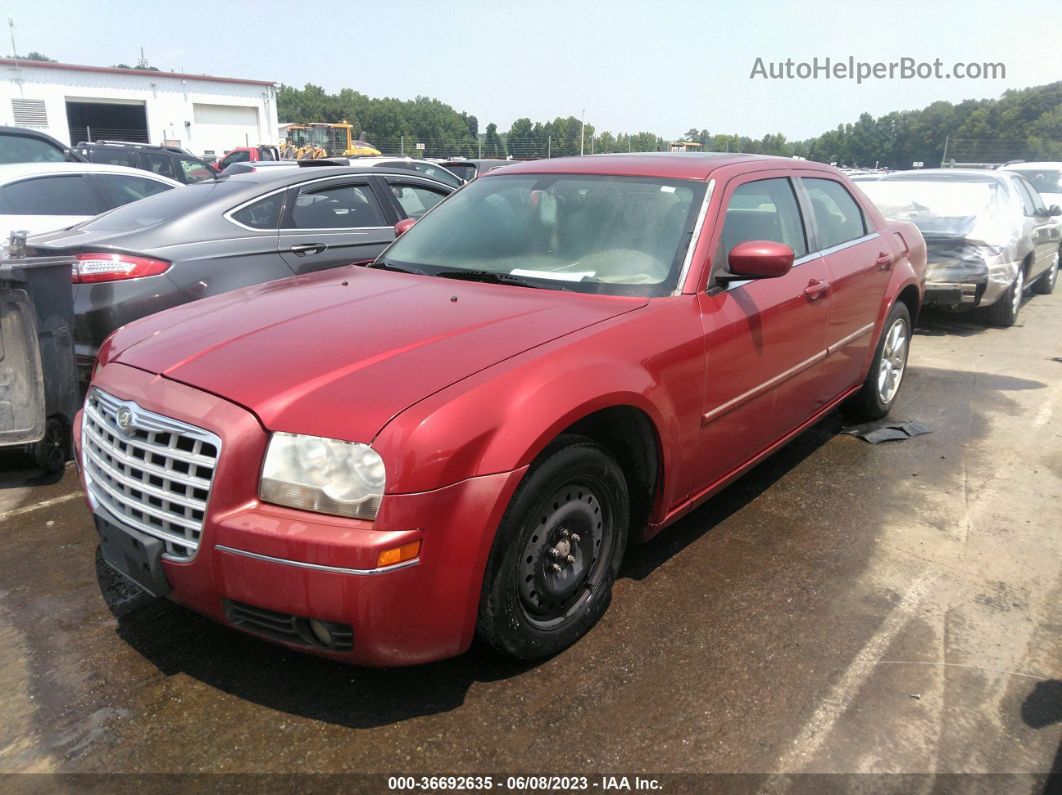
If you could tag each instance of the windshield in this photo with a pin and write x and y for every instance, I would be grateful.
(602, 234)
(936, 206)
(161, 207)
(1045, 180)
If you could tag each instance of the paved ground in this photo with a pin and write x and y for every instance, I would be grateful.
(844, 607)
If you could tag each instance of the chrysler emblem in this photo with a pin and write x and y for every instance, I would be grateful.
(124, 418)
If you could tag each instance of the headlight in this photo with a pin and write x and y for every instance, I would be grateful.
(323, 475)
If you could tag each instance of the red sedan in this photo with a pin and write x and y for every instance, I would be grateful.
(380, 463)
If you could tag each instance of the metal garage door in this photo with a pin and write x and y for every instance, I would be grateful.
(234, 115)
(219, 128)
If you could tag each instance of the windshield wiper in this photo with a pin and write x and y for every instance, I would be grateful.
(384, 265)
(491, 277)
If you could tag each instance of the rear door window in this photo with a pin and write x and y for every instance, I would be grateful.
(119, 189)
(64, 195)
(838, 218)
(337, 207)
(158, 163)
(113, 157)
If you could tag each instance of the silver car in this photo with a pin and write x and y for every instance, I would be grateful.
(989, 235)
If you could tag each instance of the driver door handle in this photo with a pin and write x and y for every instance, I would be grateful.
(816, 289)
(308, 248)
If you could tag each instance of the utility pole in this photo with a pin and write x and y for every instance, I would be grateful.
(582, 126)
(549, 146)
(11, 24)
(944, 157)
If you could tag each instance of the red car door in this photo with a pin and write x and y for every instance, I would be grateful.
(858, 260)
(765, 339)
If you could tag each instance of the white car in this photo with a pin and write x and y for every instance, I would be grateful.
(41, 197)
(1046, 177)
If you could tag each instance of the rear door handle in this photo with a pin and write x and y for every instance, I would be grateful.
(308, 248)
(884, 261)
(816, 288)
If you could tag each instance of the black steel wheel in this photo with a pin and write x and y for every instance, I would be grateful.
(50, 453)
(557, 552)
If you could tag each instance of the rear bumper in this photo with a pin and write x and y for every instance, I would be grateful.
(954, 293)
(311, 566)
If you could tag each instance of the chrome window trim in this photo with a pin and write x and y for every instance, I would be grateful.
(227, 215)
(695, 239)
(318, 566)
(849, 243)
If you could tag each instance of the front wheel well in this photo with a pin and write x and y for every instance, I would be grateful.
(631, 438)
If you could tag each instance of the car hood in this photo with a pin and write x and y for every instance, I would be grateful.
(339, 353)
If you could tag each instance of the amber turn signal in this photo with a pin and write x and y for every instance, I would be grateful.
(389, 557)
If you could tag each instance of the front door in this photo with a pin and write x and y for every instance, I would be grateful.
(765, 339)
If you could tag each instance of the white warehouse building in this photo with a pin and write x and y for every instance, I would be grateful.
(200, 113)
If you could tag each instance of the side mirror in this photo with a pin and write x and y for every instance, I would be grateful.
(760, 259)
(403, 226)
(1054, 209)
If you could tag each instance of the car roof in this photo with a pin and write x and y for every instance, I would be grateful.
(673, 165)
(290, 176)
(12, 171)
(1047, 164)
(953, 174)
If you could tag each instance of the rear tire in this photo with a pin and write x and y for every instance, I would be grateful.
(874, 400)
(1045, 285)
(1004, 312)
(557, 552)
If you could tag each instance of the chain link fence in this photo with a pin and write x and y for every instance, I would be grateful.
(960, 152)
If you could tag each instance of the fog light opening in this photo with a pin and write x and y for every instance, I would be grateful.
(322, 633)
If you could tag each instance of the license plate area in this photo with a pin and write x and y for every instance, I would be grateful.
(135, 555)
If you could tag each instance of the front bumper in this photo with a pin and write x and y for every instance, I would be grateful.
(311, 566)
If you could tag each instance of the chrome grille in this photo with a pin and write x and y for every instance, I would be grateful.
(149, 471)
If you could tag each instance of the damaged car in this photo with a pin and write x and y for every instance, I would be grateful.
(989, 235)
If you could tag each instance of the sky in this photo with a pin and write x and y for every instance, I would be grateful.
(633, 66)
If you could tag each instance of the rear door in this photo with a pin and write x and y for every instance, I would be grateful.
(858, 262)
(765, 339)
(332, 222)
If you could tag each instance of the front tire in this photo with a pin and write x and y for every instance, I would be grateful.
(1004, 312)
(874, 400)
(557, 552)
(50, 453)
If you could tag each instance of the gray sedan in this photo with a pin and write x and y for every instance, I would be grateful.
(227, 233)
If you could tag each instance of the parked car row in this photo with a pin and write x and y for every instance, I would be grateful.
(214, 236)
(990, 234)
